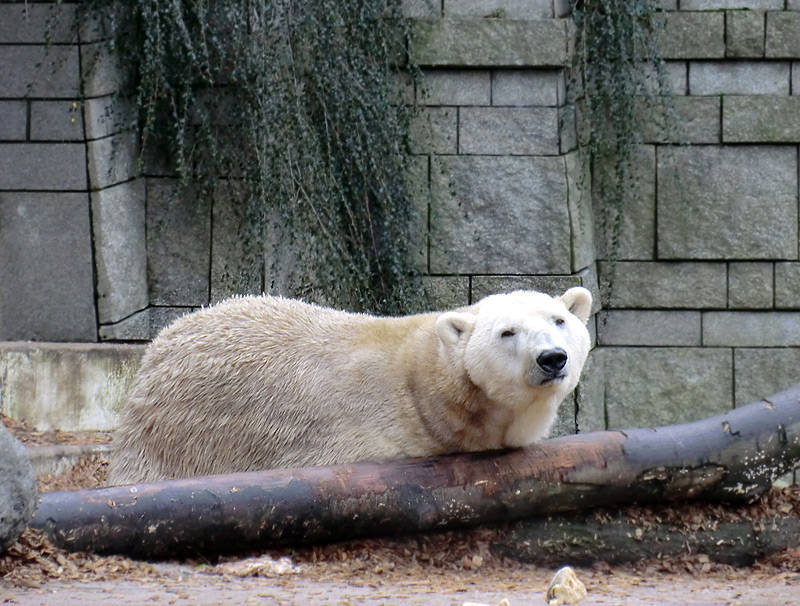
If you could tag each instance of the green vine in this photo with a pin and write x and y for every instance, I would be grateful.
(290, 114)
(619, 83)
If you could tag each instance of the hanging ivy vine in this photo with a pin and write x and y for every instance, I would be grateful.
(289, 113)
(620, 83)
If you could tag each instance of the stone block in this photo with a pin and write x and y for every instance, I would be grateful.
(14, 124)
(434, 130)
(237, 252)
(46, 280)
(113, 160)
(178, 245)
(483, 286)
(144, 325)
(763, 372)
(783, 34)
(501, 9)
(508, 131)
(654, 386)
(43, 166)
(750, 285)
(744, 197)
(421, 9)
(455, 87)
(637, 205)
(69, 386)
(744, 33)
(56, 121)
(739, 78)
(445, 292)
(682, 120)
(761, 119)
(120, 250)
(529, 87)
(751, 329)
(643, 285)
(500, 214)
(787, 285)
(649, 328)
(581, 214)
(692, 35)
(30, 23)
(590, 395)
(106, 116)
(101, 69)
(716, 5)
(565, 423)
(38, 71)
(490, 42)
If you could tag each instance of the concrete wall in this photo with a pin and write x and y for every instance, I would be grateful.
(704, 311)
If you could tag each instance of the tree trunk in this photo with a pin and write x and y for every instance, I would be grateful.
(731, 457)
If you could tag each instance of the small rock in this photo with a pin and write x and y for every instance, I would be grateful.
(503, 602)
(565, 588)
(17, 489)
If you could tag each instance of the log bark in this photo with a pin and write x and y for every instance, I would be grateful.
(731, 457)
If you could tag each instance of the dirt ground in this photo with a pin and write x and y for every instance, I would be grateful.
(450, 568)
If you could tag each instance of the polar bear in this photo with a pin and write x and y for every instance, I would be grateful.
(261, 382)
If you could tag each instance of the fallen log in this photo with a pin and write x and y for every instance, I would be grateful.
(731, 457)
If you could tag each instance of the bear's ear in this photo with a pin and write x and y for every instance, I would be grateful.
(453, 325)
(578, 301)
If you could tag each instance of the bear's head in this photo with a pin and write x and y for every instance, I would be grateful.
(520, 348)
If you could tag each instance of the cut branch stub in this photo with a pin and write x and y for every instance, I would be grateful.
(730, 457)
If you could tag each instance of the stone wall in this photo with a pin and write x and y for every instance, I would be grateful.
(704, 310)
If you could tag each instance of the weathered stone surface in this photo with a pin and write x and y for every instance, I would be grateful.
(17, 489)
(446, 292)
(692, 35)
(761, 372)
(508, 131)
(590, 395)
(455, 87)
(105, 116)
(715, 5)
(178, 244)
(56, 121)
(31, 70)
(490, 42)
(761, 119)
(750, 286)
(685, 120)
(650, 328)
(637, 226)
(745, 199)
(121, 251)
(30, 23)
(581, 214)
(43, 166)
(421, 9)
(113, 159)
(787, 285)
(237, 253)
(529, 87)
(745, 33)
(434, 130)
(101, 70)
(783, 34)
(15, 120)
(504, 9)
(661, 285)
(500, 215)
(739, 78)
(751, 329)
(565, 424)
(483, 286)
(70, 386)
(144, 325)
(46, 268)
(672, 385)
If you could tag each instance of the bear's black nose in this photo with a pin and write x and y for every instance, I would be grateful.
(552, 360)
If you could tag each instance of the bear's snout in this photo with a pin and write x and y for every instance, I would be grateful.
(552, 361)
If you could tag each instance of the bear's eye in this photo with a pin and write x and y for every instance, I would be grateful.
(508, 333)
(559, 321)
